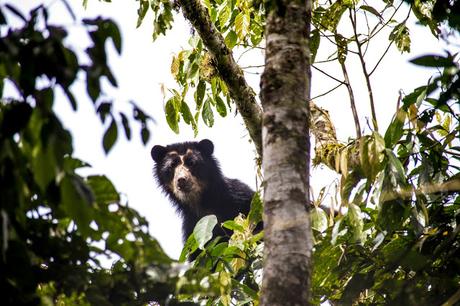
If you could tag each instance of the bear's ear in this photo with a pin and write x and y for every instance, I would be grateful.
(158, 152)
(206, 147)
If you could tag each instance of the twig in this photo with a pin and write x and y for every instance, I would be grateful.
(327, 92)
(327, 74)
(352, 99)
(366, 75)
(389, 45)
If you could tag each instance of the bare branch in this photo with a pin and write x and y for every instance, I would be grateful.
(352, 99)
(363, 65)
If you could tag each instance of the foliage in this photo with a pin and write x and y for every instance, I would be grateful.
(398, 244)
(224, 272)
(395, 243)
(59, 230)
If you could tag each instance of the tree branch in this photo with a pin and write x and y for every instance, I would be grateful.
(229, 71)
(352, 99)
(366, 74)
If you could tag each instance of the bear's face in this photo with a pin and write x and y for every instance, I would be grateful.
(182, 170)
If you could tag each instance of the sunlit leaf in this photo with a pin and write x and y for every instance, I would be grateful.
(172, 115)
(220, 106)
(242, 22)
(203, 230)
(318, 219)
(207, 114)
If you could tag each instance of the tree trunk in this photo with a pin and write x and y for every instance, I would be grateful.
(285, 90)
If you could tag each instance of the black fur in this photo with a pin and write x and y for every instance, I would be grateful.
(221, 196)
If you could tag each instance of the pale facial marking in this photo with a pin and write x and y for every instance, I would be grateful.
(190, 191)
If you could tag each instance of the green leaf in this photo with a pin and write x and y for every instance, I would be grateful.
(103, 189)
(342, 48)
(396, 168)
(203, 230)
(356, 222)
(231, 39)
(395, 129)
(186, 113)
(207, 114)
(172, 115)
(145, 134)
(112, 31)
(242, 22)
(400, 35)
(220, 106)
(224, 16)
(126, 127)
(141, 11)
(199, 94)
(433, 61)
(331, 18)
(318, 219)
(44, 166)
(371, 10)
(110, 136)
(314, 43)
(256, 211)
(232, 225)
(77, 199)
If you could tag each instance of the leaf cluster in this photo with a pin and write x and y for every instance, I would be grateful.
(398, 242)
(60, 231)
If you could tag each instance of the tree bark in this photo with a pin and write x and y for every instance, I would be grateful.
(285, 90)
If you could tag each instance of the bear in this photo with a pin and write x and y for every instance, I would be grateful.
(189, 174)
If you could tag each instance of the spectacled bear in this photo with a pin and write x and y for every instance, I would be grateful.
(190, 176)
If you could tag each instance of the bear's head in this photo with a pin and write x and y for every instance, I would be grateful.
(185, 170)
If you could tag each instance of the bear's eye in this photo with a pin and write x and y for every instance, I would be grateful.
(170, 163)
(189, 162)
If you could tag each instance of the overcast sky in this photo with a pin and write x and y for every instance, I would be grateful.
(144, 66)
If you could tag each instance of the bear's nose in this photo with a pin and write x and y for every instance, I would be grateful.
(183, 184)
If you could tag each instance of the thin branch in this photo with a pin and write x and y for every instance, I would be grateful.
(352, 99)
(389, 45)
(385, 24)
(363, 65)
(327, 61)
(328, 75)
(253, 66)
(325, 93)
(381, 58)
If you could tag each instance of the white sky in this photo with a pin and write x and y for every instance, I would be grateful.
(144, 65)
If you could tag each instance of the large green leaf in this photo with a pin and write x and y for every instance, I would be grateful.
(77, 200)
(203, 230)
(207, 114)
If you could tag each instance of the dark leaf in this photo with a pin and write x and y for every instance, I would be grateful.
(103, 189)
(371, 10)
(110, 136)
(145, 134)
(77, 200)
(126, 127)
(433, 61)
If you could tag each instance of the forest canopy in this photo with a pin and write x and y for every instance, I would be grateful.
(392, 240)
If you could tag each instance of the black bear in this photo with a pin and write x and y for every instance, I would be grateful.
(191, 177)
